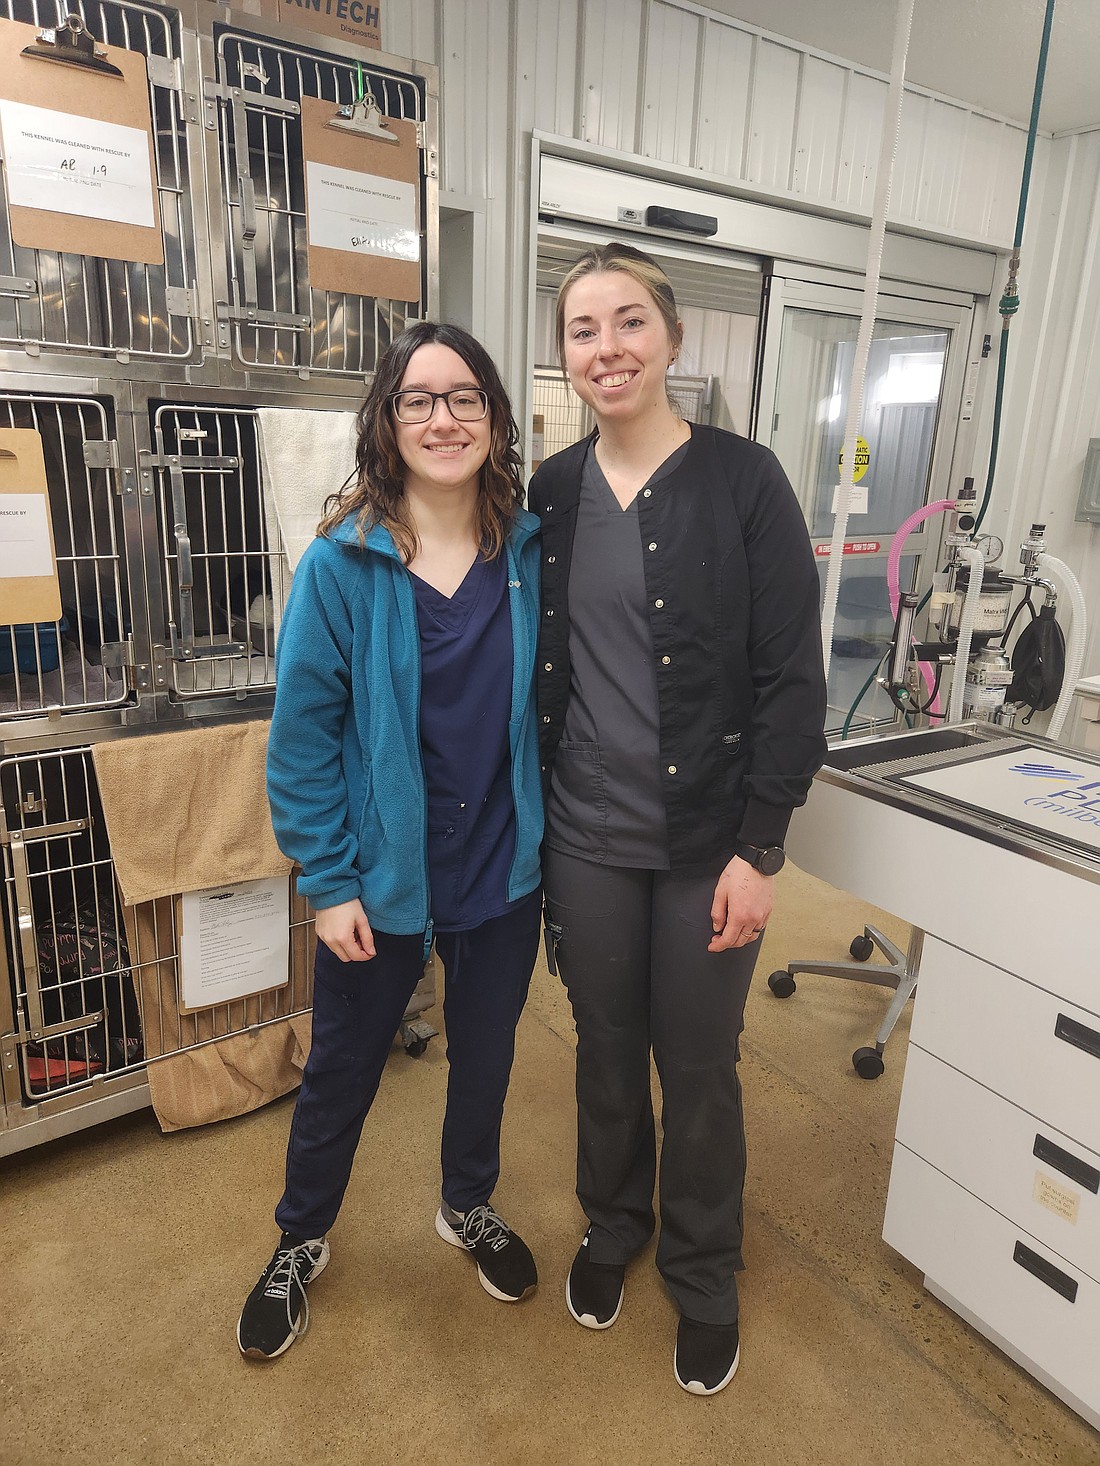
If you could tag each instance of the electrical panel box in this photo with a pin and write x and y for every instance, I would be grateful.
(1088, 505)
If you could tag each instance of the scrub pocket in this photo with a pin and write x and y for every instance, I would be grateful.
(576, 812)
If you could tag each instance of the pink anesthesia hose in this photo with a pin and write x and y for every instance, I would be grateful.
(893, 563)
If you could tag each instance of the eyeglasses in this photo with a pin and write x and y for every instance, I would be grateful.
(465, 404)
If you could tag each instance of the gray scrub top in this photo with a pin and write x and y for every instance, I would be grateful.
(605, 800)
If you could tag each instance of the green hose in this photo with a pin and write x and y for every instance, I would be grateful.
(1010, 300)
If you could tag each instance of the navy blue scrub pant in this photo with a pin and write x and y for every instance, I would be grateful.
(632, 952)
(357, 1009)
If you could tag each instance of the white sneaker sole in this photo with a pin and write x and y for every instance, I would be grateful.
(448, 1233)
(695, 1387)
(589, 1320)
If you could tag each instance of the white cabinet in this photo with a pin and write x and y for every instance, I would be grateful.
(995, 1184)
(1043, 1312)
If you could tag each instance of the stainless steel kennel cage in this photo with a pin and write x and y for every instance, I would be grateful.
(146, 385)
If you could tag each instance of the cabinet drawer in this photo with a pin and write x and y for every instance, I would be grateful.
(1028, 1171)
(1028, 1045)
(1046, 1310)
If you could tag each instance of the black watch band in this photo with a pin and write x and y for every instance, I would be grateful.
(767, 859)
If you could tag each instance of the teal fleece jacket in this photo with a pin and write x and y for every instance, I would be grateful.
(345, 778)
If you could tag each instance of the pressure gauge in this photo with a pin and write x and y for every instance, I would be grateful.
(991, 546)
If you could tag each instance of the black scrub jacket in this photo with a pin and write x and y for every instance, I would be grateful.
(733, 610)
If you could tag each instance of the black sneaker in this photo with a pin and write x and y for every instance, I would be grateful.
(594, 1290)
(277, 1310)
(504, 1262)
(707, 1356)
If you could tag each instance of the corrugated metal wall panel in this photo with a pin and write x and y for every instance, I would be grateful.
(909, 162)
(821, 106)
(945, 133)
(611, 72)
(674, 41)
(774, 116)
(703, 90)
(865, 106)
(1052, 405)
(412, 29)
(549, 38)
(469, 37)
(977, 179)
(725, 99)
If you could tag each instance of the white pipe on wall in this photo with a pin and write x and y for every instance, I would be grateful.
(883, 182)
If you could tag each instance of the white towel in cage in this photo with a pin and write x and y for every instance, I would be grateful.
(305, 456)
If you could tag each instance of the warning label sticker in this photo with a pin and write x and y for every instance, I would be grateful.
(863, 459)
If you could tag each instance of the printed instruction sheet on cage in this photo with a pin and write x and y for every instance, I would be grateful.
(361, 213)
(25, 547)
(234, 941)
(76, 165)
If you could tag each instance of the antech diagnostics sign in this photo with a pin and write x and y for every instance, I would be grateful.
(349, 20)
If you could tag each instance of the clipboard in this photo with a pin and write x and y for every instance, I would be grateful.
(363, 271)
(26, 598)
(34, 81)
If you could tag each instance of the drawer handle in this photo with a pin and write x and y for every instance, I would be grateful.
(1069, 1165)
(1078, 1035)
(1045, 1271)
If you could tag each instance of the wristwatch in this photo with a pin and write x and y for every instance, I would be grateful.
(769, 860)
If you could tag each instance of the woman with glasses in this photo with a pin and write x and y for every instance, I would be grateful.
(403, 778)
(681, 705)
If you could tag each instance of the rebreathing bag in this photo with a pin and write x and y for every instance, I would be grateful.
(1038, 663)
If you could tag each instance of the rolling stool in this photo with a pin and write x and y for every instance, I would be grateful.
(898, 972)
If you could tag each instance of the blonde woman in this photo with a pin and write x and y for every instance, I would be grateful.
(681, 705)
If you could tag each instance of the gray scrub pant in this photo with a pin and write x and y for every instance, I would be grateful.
(631, 948)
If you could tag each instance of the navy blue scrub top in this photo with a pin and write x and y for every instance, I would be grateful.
(465, 705)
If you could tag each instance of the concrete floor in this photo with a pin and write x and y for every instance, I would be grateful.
(129, 1254)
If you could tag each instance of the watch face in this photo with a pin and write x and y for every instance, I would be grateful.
(771, 860)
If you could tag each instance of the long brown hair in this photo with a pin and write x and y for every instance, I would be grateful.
(376, 492)
(604, 259)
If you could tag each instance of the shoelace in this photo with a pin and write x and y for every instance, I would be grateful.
(288, 1262)
(481, 1224)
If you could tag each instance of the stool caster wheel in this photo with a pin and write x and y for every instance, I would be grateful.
(868, 1063)
(415, 1036)
(781, 983)
(861, 948)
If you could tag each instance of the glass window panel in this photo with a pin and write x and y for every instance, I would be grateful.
(901, 400)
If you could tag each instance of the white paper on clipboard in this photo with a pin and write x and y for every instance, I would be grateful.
(25, 546)
(361, 213)
(83, 166)
(234, 941)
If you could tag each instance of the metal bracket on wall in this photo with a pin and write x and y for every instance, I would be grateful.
(164, 72)
(253, 316)
(101, 454)
(17, 285)
(180, 301)
(121, 655)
